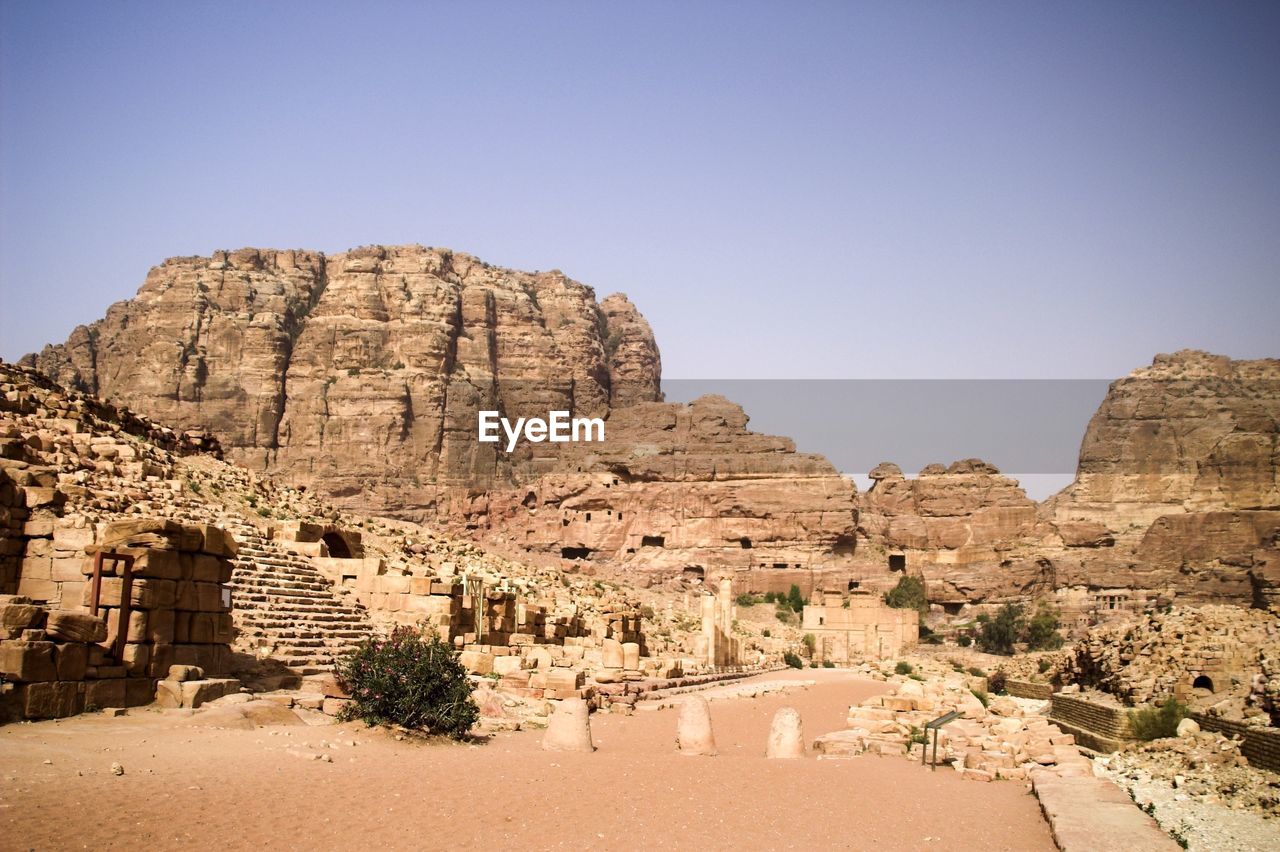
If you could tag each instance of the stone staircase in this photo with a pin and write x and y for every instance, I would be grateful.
(285, 609)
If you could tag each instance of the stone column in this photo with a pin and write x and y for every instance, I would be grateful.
(709, 627)
(725, 612)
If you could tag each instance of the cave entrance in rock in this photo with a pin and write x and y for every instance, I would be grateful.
(694, 572)
(338, 547)
(575, 552)
(653, 541)
(897, 562)
(1203, 682)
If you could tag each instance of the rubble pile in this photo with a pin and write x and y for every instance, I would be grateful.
(1209, 657)
(998, 740)
(1204, 766)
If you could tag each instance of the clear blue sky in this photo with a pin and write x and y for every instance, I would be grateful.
(786, 190)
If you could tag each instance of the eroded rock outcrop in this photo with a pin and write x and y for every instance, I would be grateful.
(362, 372)
(361, 375)
(967, 529)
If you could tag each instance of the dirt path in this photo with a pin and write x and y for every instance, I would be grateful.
(187, 786)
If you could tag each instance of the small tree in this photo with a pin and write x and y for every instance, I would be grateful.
(408, 681)
(793, 660)
(810, 643)
(1042, 630)
(794, 599)
(999, 634)
(908, 594)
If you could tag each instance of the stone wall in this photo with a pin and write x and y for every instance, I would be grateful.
(851, 629)
(53, 663)
(13, 515)
(1102, 727)
(64, 658)
(1027, 689)
(1260, 745)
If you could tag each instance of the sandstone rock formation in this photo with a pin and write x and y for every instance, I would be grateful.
(360, 372)
(966, 528)
(681, 488)
(361, 375)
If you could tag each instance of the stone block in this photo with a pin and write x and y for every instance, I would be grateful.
(27, 662)
(70, 626)
(160, 626)
(476, 662)
(203, 627)
(197, 692)
(71, 660)
(36, 588)
(161, 660)
(506, 665)
(67, 569)
(181, 628)
(206, 568)
(564, 680)
(136, 657)
(159, 564)
(52, 700)
(15, 618)
(208, 597)
(104, 693)
(72, 539)
(138, 691)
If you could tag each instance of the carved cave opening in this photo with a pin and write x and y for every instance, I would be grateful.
(337, 545)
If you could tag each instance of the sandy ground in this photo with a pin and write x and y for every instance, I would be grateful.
(185, 786)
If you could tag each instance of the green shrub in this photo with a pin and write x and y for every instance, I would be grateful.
(965, 640)
(981, 696)
(1043, 665)
(785, 614)
(999, 634)
(793, 660)
(770, 597)
(810, 642)
(1154, 723)
(408, 681)
(995, 682)
(903, 668)
(813, 664)
(794, 599)
(977, 672)
(908, 594)
(1042, 631)
(745, 599)
(827, 664)
(766, 633)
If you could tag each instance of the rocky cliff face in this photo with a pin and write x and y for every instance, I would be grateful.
(1176, 496)
(360, 373)
(681, 488)
(1191, 432)
(966, 528)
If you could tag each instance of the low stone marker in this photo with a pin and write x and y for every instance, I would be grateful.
(569, 728)
(786, 735)
(693, 728)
